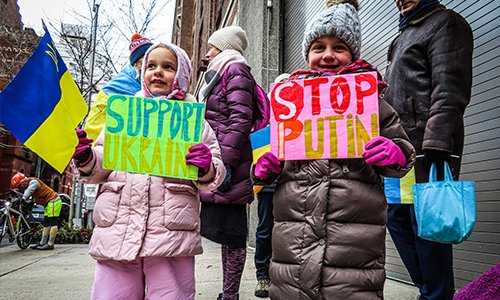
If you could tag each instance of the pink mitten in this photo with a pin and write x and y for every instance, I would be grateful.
(83, 152)
(381, 151)
(267, 165)
(199, 155)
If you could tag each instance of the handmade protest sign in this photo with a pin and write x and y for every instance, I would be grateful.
(151, 136)
(325, 117)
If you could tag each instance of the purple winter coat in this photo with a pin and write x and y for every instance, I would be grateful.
(231, 115)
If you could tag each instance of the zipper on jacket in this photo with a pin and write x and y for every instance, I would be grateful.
(345, 169)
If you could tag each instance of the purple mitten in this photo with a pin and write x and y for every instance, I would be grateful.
(267, 165)
(381, 151)
(199, 155)
(83, 152)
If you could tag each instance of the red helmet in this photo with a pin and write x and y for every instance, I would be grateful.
(17, 179)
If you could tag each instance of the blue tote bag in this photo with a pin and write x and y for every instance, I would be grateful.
(445, 210)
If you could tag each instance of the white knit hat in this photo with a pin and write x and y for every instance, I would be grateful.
(340, 20)
(231, 37)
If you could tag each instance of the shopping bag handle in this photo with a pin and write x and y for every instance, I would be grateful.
(447, 172)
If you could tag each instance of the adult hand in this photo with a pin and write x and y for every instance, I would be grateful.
(226, 184)
(267, 165)
(381, 151)
(199, 155)
(83, 152)
(436, 156)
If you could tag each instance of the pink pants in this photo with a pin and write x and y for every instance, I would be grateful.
(145, 278)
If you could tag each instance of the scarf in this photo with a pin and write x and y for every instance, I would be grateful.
(216, 68)
(182, 75)
(357, 66)
(423, 6)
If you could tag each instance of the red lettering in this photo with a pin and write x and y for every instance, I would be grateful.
(360, 94)
(342, 84)
(315, 97)
(287, 101)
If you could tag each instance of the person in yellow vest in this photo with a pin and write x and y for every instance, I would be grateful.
(43, 195)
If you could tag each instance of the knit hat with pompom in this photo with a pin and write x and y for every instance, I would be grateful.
(340, 20)
(138, 46)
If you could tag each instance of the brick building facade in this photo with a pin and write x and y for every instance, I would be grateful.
(194, 22)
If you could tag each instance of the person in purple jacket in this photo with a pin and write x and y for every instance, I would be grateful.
(229, 94)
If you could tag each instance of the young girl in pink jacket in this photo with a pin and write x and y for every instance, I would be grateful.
(147, 227)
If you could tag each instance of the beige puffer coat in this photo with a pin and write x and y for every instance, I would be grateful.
(329, 232)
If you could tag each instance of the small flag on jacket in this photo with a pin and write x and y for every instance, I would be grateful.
(399, 190)
(261, 143)
(42, 106)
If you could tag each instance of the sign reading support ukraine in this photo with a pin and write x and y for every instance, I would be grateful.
(152, 136)
(42, 106)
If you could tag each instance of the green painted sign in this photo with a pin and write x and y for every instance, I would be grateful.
(151, 136)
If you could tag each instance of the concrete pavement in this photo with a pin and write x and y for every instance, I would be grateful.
(67, 273)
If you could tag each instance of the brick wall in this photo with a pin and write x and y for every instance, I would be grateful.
(9, 14)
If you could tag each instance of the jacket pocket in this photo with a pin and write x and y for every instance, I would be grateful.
(181, 188)
(417, 111)
(181, 208)
(411, 113)
(107, 204)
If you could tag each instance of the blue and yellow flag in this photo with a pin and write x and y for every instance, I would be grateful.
(42, 106)
(261, 143)
(399, 190)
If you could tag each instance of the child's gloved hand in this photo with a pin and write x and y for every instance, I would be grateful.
(381, 151)
(267, 165)
(226, 184)
(83, 152)
(199, 155)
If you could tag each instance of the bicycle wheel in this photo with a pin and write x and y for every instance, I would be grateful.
(25, 231)
(3, 226)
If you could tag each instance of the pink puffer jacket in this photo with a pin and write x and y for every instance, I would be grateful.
(138, 215)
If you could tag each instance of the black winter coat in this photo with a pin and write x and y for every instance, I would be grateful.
(430, 76)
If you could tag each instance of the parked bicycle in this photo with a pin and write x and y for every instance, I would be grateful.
(17, 222)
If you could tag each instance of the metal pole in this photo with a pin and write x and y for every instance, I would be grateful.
(38, 171)
(72, 202)
(93, 39)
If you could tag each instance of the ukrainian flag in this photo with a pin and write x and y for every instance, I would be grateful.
(42, 106)
(399, 191)
(261, 143)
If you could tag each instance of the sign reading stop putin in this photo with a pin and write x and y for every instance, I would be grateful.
(325, 117)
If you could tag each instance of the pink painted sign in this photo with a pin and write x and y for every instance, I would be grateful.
(326, 117)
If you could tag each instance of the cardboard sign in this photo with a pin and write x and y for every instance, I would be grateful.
(325, 117)
(151, 136)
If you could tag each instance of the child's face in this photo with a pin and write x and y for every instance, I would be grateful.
(160, 71)
(328, 53)
(138, 65)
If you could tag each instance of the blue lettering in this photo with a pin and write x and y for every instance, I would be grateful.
(119, 119)
(153, 107)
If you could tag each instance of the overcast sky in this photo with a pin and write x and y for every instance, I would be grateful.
(32, 11)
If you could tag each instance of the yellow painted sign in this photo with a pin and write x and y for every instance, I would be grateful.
(151, 136)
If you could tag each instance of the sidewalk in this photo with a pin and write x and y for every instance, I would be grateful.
(67, 272)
